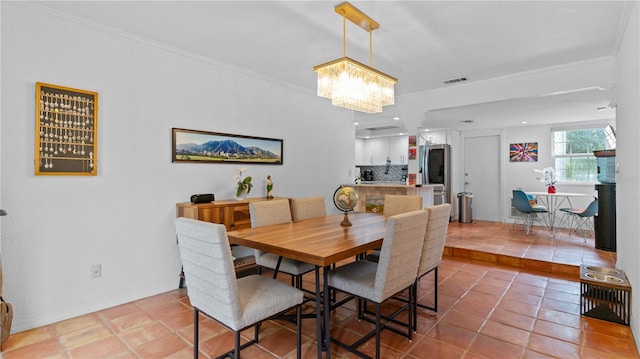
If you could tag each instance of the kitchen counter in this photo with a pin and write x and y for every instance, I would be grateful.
(392, 184)
(374, 192)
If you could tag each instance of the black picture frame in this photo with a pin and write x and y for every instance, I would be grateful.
(195, 146)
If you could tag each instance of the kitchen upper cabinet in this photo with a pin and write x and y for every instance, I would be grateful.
(360, 156)
(377, 150)
(399, 149)
(371, 151)
(374, 151)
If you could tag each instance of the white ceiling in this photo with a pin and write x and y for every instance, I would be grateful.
(422, 43)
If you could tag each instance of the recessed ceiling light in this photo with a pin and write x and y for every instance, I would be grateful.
(356, 123)
(366, 136)
(523, 122)
(397, 118)
(426, 130)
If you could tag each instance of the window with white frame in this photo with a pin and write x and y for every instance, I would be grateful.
(573, 152)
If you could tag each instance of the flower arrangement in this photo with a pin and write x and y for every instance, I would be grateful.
(548, 178)
(244, 185)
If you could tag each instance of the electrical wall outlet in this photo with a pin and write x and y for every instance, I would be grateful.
(96, 271)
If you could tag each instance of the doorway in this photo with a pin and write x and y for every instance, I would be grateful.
(481, 176)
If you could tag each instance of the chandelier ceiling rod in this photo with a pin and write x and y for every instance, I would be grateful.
(344, 35)
(359, 18)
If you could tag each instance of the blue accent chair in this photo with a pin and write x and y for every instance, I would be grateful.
(528, 213)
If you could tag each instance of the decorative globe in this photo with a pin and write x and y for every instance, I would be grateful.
(345, 199)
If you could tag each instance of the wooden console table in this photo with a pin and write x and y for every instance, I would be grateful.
(233, 214)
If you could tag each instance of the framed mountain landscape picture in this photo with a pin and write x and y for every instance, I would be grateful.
(214, 147)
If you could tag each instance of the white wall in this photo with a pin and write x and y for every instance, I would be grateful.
(627, 154)
(123, 219)
(520, 174)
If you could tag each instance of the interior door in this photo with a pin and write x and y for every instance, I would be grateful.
(482, 176)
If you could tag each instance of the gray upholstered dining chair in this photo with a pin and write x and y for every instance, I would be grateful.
(275, 212)
(396, 204)
(431, 256)
(432, 250)
(308, 207)
(395, 271)
(214, 290)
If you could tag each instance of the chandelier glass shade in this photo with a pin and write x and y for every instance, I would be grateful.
(349, 83)
(355, 86)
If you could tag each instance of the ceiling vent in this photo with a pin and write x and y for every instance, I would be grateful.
(455, 81)
(381, 128)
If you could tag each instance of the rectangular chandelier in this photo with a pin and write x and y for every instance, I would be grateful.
(349, 83)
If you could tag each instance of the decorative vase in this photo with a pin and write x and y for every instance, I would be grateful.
(242, 196)
(551, 189)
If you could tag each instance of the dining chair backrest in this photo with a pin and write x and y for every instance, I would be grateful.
(209, 271)
(591, 210)
(521, 201)
(434, 238)
(396, 204)
(308, 207)
(274, 211)
(400, 253)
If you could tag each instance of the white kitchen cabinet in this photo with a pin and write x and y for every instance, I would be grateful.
(398, 149)
(375, 151)
(360, 153)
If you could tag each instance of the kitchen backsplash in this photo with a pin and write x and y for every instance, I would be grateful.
(396, 173)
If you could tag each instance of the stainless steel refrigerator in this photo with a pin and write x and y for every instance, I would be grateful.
(436, 169)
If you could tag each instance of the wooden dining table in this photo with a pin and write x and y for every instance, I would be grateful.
(321, 241)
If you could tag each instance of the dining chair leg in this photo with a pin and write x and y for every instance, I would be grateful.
(415, 305)
(435, 291)
(256, 332)
(377, 330)
(327, 309)
(236, 352)
(277, 269)
(196, 325)
(435, 299)
(410, 316)
(299, 331)
(319, 327)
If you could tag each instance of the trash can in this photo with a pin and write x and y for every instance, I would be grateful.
(464, 207)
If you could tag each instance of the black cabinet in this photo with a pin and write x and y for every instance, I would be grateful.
(605, 222)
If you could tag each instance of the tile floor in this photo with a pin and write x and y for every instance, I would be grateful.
(499, 243)
(505, 303)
